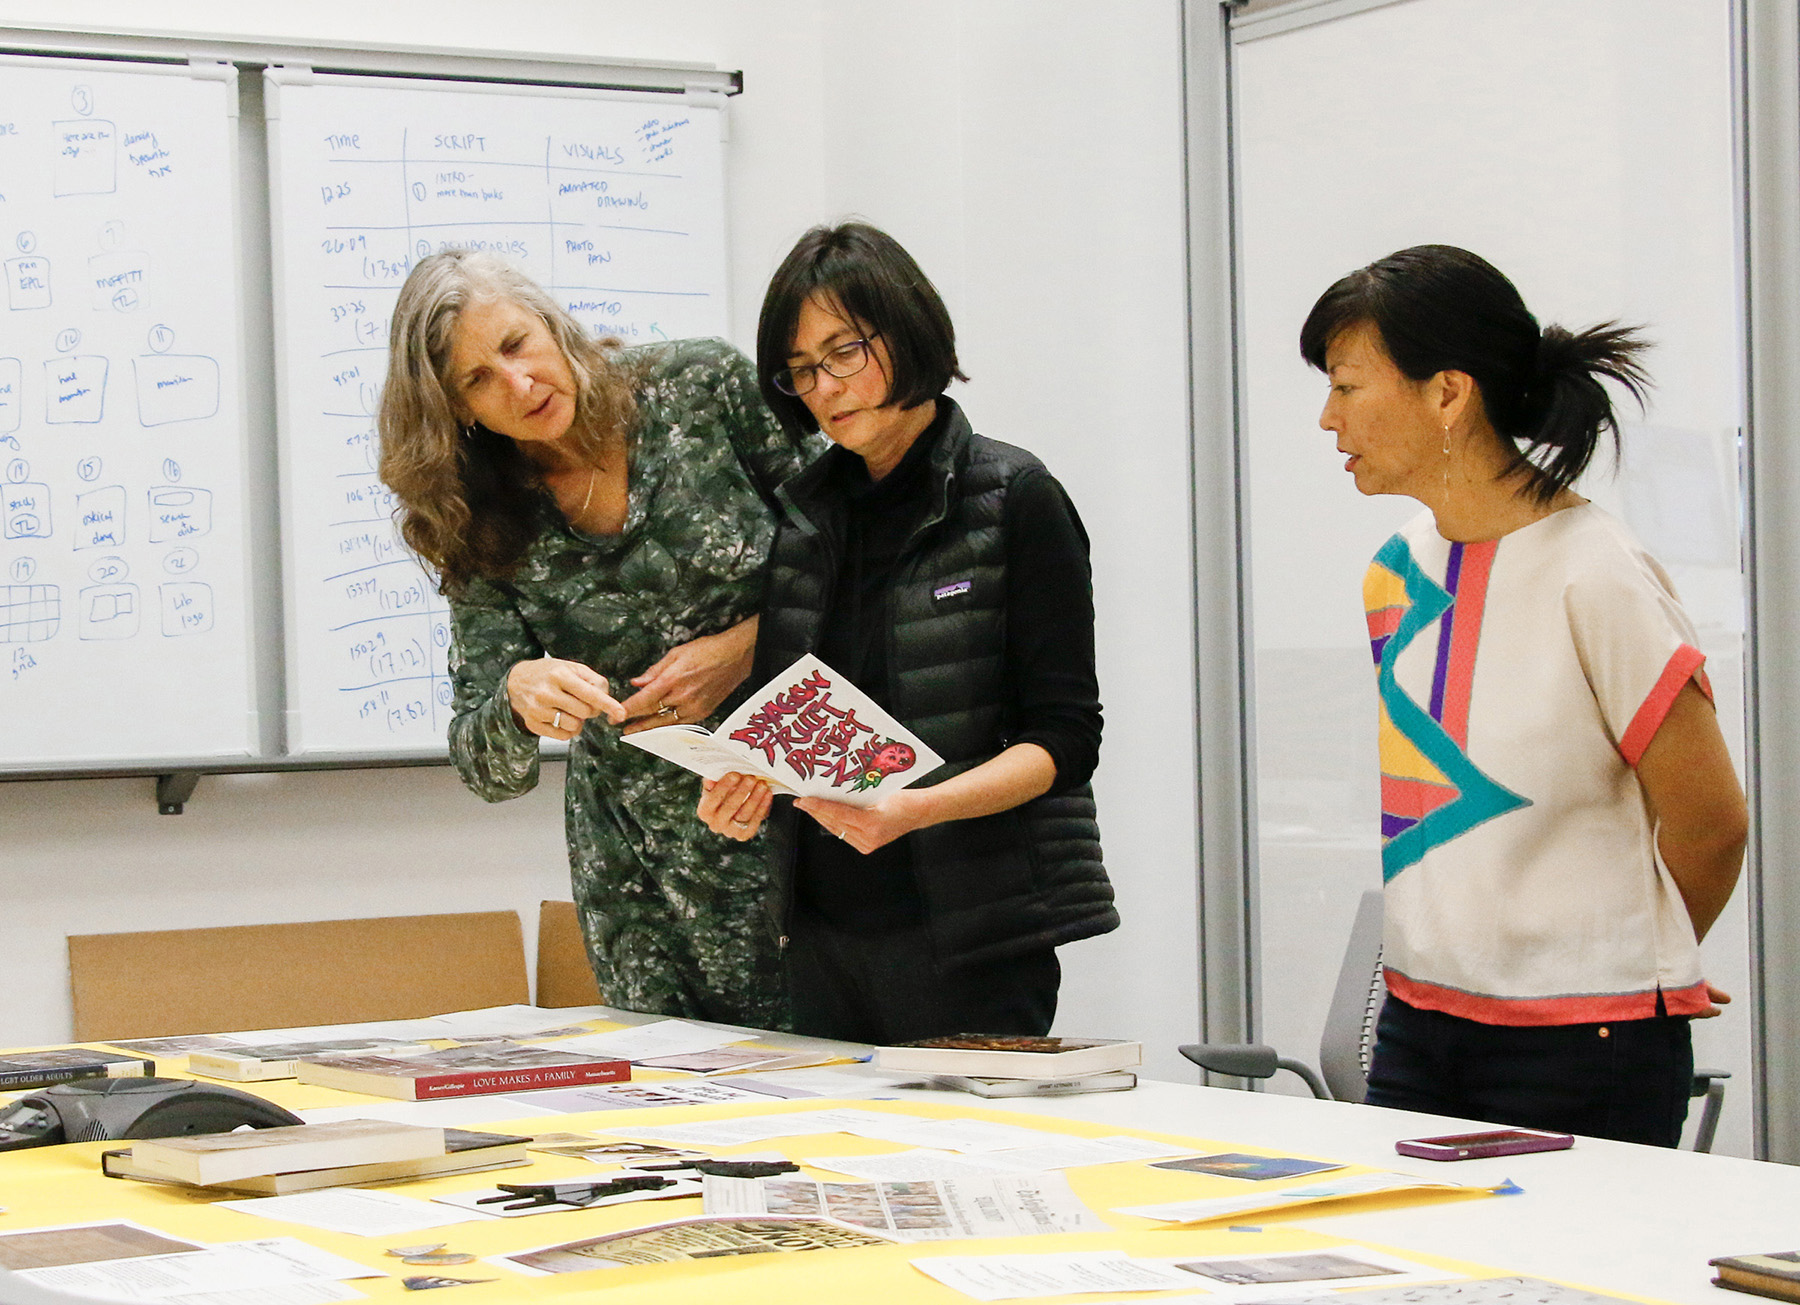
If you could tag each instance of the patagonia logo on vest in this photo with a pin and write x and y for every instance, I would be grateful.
(952, 589)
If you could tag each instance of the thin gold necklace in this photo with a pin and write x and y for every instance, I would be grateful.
(593, 472)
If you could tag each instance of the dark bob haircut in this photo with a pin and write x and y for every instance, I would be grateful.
(1438, 308)
(865, 274)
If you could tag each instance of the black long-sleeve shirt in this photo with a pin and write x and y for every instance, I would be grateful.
(1048, 656)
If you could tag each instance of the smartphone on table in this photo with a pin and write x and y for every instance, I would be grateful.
(1473, 1146)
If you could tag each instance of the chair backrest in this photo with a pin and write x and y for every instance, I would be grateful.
(564, 977)
(1355, 1004)
(271, 976)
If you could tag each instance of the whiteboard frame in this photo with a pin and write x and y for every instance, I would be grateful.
(181, 54)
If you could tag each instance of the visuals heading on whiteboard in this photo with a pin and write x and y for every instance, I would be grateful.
(614, 205)
(123, 621)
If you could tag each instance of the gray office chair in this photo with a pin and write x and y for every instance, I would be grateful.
(1349, 1034)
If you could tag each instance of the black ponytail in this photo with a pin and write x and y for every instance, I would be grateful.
(1439, 308)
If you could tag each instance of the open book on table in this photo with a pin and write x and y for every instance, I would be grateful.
(809, 732)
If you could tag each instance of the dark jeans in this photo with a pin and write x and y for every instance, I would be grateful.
(1627, 1080)
(883, 987)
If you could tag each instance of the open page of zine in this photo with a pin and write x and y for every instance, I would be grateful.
(810, 732)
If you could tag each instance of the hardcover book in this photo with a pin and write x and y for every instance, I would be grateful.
(277, 1060)
(809, 732)
(461, 1071)
(465, 1152)
(992, 1055)
(205, 1159)
(1775, 1274)
(34, 1069)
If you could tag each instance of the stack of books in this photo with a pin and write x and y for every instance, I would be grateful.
(303, 1158)
(1001, 1065)
(1775, 1274)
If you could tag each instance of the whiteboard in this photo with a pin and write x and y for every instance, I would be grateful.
(124, 571)
(613, 202)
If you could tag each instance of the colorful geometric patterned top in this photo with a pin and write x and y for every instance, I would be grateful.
(1519, 681)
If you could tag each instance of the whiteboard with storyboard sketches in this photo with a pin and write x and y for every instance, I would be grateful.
(125, 600)
(613, 201)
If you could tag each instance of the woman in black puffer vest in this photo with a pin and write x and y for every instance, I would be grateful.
(947, 576)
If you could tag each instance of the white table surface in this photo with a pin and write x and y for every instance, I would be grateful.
(1613, 1216)
(1610, 1215)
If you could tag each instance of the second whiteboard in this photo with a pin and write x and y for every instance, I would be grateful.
(615, 204)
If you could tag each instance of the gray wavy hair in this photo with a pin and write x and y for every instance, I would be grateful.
(469, 501)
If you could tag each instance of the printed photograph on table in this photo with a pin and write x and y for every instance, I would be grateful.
(809, 732)
(1232, 1164)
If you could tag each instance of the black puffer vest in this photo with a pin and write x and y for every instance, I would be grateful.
(995, 886)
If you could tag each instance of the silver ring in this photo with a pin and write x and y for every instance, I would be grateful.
(741, 824)
(556, 721)
(667, 710)
(841, 834)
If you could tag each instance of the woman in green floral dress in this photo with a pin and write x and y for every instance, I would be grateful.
(598, 518)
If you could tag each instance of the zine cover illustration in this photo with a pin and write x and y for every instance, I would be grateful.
(810, 732)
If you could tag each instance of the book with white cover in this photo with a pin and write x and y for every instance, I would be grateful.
(206, 1158)
(997, 1055)
(809, 732)
(1111, 1080)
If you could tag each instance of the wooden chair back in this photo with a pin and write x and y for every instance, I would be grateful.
(267, 976)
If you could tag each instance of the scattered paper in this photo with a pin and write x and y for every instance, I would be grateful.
(905, 1166)
(352, 1210)
(318, 1292)
(1259, 1168)
(907, 1130)
(1061, 1153)
(85, 1243)
(640, 1096)
(273, 1262)
(451, 1112)
(845, 1082)
(768, 1087)
(177, 1045)
(1017, 1277)
(1253, 1277)
(472, 1201)
(1331, 1190)
(1479, 1291)
(703, 1238)
(661, 1038)
(1017, 1205)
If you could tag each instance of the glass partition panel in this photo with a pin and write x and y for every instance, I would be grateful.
(1586, 150)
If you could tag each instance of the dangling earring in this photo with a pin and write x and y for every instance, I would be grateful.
(468, 432)
(1446, 466)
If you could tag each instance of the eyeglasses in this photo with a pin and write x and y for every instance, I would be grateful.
(844, 361)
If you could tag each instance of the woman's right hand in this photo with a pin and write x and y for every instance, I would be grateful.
(735, 805)
(553, 698)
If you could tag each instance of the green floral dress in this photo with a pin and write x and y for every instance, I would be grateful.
(672, 912)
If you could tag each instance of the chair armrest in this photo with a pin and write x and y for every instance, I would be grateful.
(1237, 1059)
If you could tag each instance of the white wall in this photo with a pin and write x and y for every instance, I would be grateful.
(1029, 154)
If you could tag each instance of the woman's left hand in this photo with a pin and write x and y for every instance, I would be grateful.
(690, 680)
(867, 828)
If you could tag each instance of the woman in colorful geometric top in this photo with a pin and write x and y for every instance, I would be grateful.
(1561, 822)
(599, 518)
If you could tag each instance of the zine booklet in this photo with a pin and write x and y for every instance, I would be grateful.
(809, 732)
